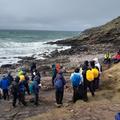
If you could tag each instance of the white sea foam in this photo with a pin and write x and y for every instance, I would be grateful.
(9, 51)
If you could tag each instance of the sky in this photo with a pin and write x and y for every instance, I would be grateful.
(73, 15)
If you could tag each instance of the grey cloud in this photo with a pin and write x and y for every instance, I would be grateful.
(56, 14)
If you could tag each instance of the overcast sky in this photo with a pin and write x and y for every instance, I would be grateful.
(56, 14)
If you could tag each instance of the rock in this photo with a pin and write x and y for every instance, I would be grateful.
(102, 35)
(6, 66)
(72, 110)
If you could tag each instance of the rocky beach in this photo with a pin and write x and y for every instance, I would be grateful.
(89, 44)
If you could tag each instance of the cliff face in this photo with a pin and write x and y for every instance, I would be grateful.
(108, 33)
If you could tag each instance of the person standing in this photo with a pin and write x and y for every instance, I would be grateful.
(54, 73)
(87, 80)
(10, 78)
(4, 85)
(77, 80)
(32, 69)
(35, 86)
(99, 66)
(95, 71)
(59, 83)
(21, 92)
(15, 90)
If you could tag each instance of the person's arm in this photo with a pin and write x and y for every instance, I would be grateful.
(71, 76)
(81, 78)
(64, 81)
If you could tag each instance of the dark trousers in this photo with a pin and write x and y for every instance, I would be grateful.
(5, 94)
(15, 97)
(88, 84)
(116, 60)
(22, 98)
(36, 99)
(81, 91)
(75, 94)
(96, 83)
(59, 96)
(27, 88)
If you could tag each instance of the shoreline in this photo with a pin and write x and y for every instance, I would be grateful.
(80, 50)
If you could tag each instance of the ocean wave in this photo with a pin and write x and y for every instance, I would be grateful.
(11, 50)
(22, 43)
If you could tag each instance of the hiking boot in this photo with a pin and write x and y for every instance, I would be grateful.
(57, 105)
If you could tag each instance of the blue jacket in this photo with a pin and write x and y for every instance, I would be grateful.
(76, 79)
(10, 78)
(21, 87)
(4, 83)
(59, 81)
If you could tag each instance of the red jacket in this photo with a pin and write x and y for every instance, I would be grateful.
(117, 57)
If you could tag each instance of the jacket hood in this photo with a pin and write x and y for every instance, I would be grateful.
(96, 60)
(53, 66)
(86, 63)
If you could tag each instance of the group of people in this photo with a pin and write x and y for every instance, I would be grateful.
(21, 85)
(84, 77)
(109, 59)
(88, 77)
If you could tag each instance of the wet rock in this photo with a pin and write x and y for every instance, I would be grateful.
(6, 66)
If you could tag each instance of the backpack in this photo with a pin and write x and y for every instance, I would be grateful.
(95, 72)
(75, 79)
(89, 75)
(22, 77)
(117, 116)
(58, 83)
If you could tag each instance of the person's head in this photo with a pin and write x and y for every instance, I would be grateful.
(77, 70)
(24, 72)
(53, 66)
(81, 65)
(86, 63)
(4, 77)
(92, 64)
(33, 64)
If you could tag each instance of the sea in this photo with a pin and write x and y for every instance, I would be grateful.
(27, 43)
